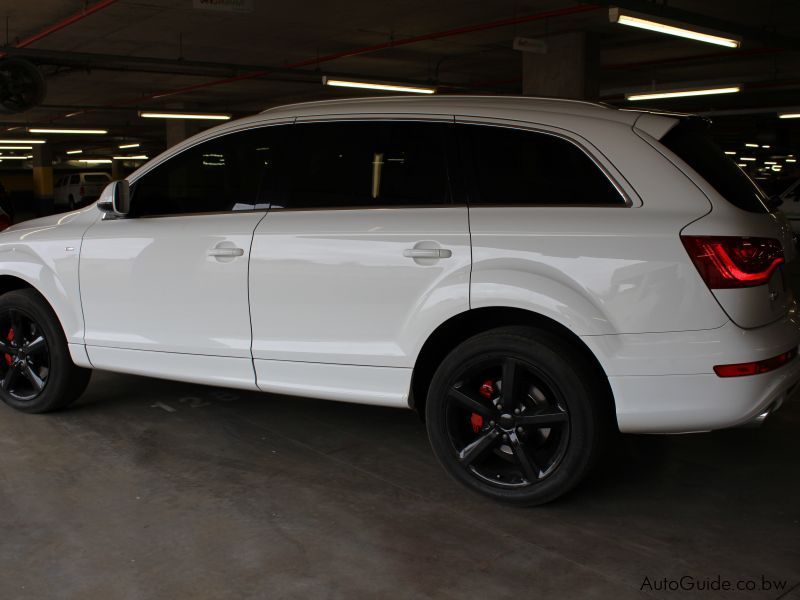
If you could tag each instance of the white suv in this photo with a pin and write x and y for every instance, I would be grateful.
(526, 273)
(78, 189)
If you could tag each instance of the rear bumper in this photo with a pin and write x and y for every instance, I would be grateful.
(665, 383)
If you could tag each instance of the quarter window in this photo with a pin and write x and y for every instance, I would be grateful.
(239, 171)
(368, 164)
(516, 167)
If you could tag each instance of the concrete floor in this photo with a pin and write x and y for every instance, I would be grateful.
(151, 489)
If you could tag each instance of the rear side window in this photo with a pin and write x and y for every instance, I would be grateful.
(691, 143)
(96, 178)
(524, 168)
(368, 165)
(229, 173)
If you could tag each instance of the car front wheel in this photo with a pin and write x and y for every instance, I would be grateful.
(36, 371)
(515, 414)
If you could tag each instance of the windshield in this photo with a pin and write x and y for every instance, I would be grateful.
(690, 141)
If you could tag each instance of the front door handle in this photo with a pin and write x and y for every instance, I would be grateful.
(427, 253)
(226, 252)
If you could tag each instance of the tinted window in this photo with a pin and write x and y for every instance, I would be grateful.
(362, 164)
(690, 141)
(75, 179)
(96, 178)
(511, 166)
(239, 171)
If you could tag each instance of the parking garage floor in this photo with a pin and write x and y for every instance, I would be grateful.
(152, 489)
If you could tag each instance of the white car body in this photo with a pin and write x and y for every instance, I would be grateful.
(324, 303)
(77, 189)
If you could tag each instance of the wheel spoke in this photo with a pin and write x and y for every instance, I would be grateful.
(509, 384)
(35, 345)
(31, 376)
(16, 324)
(529, 466)
(543, 419)
(11, 374)
(470, 403)
(469, 454)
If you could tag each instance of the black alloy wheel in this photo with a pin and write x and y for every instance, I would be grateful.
(25, 363)
(517, 414)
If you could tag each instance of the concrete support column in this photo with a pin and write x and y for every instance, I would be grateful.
(567, 69)
(42, 178)
(176, 131)
(117, 172)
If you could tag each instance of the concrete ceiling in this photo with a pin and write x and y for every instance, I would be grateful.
(110, 64)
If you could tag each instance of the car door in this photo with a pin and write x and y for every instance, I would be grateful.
(366, 255)
(164, 291)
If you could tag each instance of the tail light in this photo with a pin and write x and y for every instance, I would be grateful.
(734, 262)
(82, 191)
(754, 368)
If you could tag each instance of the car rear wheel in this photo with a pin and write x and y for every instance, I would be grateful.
(71, 202)
(36, 371)
(515, 414)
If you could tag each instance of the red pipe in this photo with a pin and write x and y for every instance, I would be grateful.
(390, 44)
(89, 10)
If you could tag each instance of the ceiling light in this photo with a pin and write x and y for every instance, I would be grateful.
(752, 145)
(137, 157)
(770, 162)
(791, 160)
(730, 152)
(741, 164)
(69, 131)
(197, 116)
(94, 161)
(669, 27)
(682, 93)
(747, 158)
(16, 147)
(776, 167)
(4, 157)
(123, 146)
(789, 116)
(74, 151)
(765, 146)
(386, 87)
(22, 141)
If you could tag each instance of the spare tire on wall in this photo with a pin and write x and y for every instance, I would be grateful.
(22, 85)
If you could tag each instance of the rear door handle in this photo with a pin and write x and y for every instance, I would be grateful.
(226, 252)
(427, 253)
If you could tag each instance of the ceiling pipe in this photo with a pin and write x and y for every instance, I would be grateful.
(59, 25)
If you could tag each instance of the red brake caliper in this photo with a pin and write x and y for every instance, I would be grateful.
(10, 338)
(487, 391)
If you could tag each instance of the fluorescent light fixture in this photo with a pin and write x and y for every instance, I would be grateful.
(752, 145)
(16, 147)
(123, 146)
(4, 157)
(776, 167)
(791, 160)
(730, 152)
(669, 27)
(741, 164)
(94, 161)
(683, 93)
(137, 157)
(196, 116)
(386, 87)
(765, 146)
(789, 115)
(22, 141)
(74, 151)
(770, 162)
(747, 158)
(69, 131)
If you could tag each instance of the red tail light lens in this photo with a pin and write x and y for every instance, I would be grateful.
(754, 368)
(734, 262)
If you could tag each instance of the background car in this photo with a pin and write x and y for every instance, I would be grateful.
(79, 189)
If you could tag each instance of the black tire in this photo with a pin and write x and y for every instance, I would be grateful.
(37, 374)
(532, 444)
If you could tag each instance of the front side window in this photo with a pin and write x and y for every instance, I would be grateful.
(368, 164)
(517, 167)
(238, 171)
